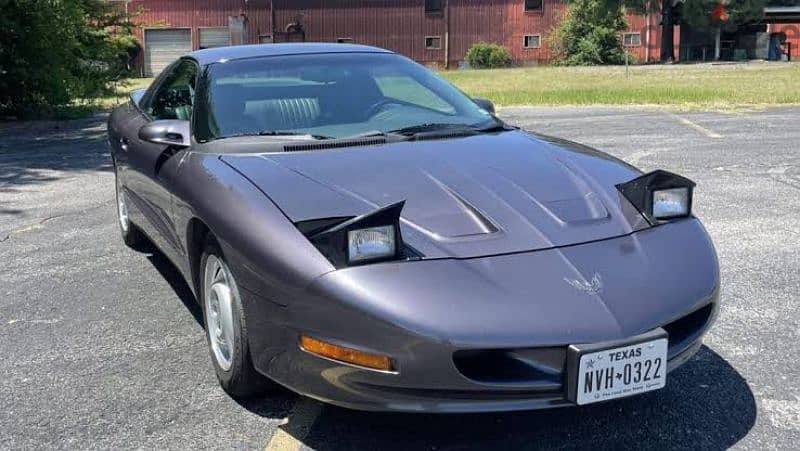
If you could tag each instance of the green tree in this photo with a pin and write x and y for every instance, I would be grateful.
(55, 51)
(698, 13)
(590, 33)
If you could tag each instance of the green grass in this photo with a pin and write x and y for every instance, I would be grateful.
(688, 86)
(122, 91)
(726, 86)
(86, 107)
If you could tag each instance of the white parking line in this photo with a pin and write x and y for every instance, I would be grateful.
(296, 426)
(698, 127)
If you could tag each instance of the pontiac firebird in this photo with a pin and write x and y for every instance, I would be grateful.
(360, 231)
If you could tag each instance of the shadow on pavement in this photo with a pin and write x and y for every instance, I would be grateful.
(707, 405)
(175, 279)
(278, 402)
(30, 152)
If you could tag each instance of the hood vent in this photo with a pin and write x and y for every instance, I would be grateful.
(337, 144)
(444, 135)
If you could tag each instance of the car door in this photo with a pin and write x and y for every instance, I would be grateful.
(151, 167)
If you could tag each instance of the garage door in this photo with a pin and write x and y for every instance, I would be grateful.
(163, 46)
(214, 37)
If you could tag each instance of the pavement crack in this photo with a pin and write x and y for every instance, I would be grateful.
(40, 223)
(786, 181)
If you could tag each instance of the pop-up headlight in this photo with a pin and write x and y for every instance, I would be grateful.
(660, 195)
(671, 203)
(371, 243)
(368, 238)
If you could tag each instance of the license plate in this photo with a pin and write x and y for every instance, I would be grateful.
(621, 371)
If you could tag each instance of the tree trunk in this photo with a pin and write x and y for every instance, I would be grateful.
(667, 32)
(717, 38)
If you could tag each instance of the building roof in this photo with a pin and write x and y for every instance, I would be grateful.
(213, 55)
(782, 14)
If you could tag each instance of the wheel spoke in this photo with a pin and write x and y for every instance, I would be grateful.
(122, 207)
(219, 300)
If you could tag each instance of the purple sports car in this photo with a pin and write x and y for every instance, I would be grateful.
(360, 231)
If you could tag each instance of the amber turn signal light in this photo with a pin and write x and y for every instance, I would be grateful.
(347, 355)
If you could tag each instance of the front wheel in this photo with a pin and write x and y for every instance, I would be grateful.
(131, 236)
(226, 330)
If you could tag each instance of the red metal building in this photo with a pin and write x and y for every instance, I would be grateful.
(434, 32)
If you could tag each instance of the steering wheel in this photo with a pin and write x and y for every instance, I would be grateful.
(378, 106)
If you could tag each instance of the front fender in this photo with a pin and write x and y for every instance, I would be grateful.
(266, 252)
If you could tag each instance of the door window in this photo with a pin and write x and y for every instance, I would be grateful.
(175, 97)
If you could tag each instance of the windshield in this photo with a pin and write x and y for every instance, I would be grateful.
(328, 96)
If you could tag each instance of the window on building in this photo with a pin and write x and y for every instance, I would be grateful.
(433, 6)
(433, 42)
(344, 40)
(532, 41)
(533, 5)
(632, 39)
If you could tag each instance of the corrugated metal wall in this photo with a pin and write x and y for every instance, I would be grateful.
(503, 22)
(194, 14)
(399, 25)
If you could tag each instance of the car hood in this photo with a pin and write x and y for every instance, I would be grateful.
(464, 197)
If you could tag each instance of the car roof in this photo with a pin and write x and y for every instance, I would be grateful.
(213, 55)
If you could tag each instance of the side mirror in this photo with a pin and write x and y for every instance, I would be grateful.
(486, 104)
(136, 95)
(170, 132)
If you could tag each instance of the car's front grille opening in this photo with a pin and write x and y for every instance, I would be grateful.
(540, 368)
(544, 369)
(686, 329)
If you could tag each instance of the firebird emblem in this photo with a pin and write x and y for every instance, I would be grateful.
(593, 286)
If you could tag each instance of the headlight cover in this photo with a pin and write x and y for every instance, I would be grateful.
(369, 238)
(660, 195)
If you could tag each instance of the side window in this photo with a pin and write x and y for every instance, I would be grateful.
(174, 98)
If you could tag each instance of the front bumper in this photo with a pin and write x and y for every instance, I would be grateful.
(462, 353)
(429, 381)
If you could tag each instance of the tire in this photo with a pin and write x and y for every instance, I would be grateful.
(131, 235)
(227, 337)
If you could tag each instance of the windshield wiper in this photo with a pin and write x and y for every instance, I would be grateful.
(496, 126)
(429, 127)
(273, 133)
(291, 133)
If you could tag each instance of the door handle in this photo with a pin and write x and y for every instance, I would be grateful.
(123, 143)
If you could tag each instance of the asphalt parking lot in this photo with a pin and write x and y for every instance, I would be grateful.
(101, 347)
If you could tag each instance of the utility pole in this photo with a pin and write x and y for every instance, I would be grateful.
(446, 33)
(667, 31)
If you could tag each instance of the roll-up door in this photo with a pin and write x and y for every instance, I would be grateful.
(163, 46)
(214, 37)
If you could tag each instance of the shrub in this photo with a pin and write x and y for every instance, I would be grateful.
(484, 55)
(53, 52)
(589, 34)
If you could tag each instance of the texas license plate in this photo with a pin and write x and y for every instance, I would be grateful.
(620, 371)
